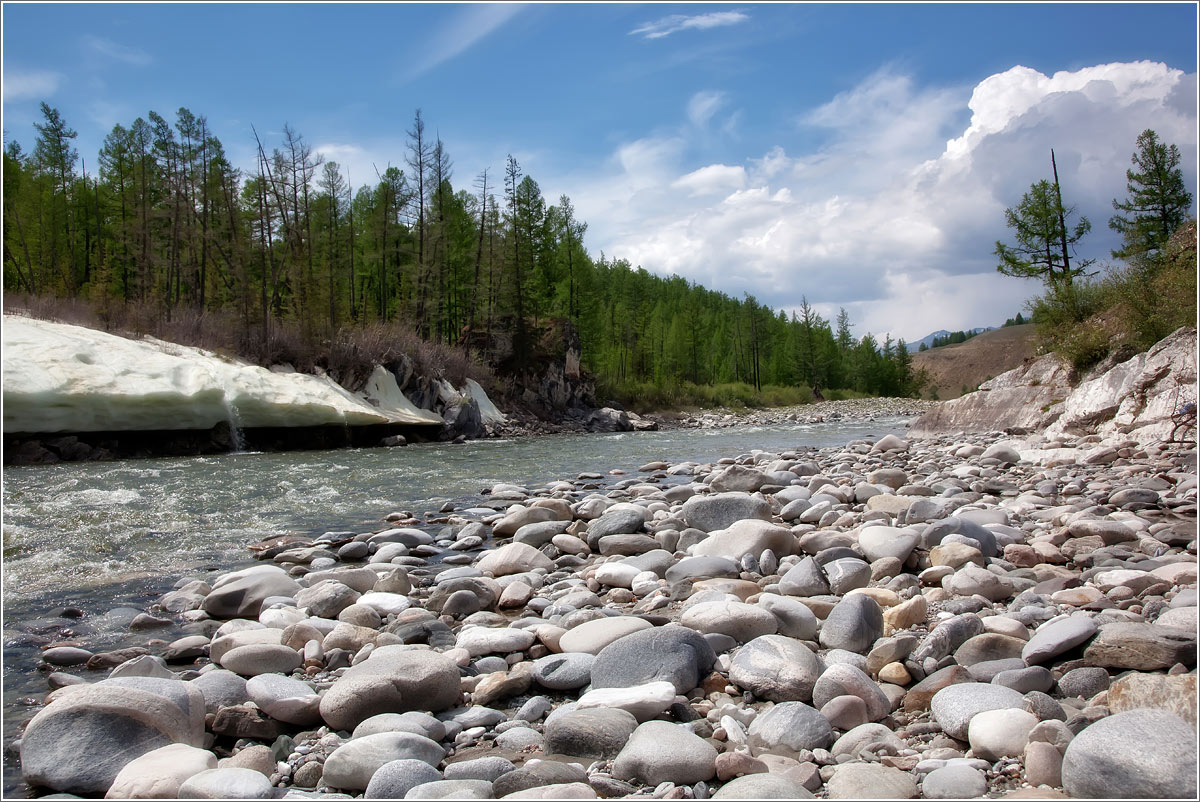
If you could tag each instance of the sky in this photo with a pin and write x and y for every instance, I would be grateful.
(859, 156)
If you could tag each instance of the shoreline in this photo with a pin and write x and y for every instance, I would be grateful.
(511, 607)
(50, 448)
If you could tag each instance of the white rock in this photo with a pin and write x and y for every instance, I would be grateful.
(643, 701)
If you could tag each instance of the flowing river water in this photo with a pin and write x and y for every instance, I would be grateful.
(105, 537)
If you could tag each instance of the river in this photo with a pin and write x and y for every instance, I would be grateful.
(108, 535)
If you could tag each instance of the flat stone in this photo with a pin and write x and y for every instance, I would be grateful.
(261, 658)
(479, 641)
(805, 578)
(592, 636)
(796, 619)
(843, 679)
(1054, 638)
(391, 680)
(750, 536)
(1147, 754)
(921, 695)
(988, 646)
(1143, 647)
(855, 740)
(489, 768)
(878, 542)
(514, 558)
(1173, 693)
(870, 781)
(240, 594)
(1084, 682)
(452, 789)
(413, 721)
(285, 699)
(644, 702)
(740, 621)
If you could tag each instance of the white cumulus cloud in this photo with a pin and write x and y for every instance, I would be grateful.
(896, 215)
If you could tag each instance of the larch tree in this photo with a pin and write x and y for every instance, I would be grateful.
(1044, 243)
(1157, 204)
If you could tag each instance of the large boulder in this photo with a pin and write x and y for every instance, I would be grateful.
(1140, 754)
(676, 654)
(352, 764)
(392, 680)
(721, 510)
(159, 773)
(776, 668)
(750, 536)
(82, 739)
(660, 751)
(240, 594)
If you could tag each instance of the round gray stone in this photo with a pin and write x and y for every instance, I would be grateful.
(854, 624)
(762, 786)
(593, 732)
(226, 783)
(676, 654)
(659, 751)
(776, 668)
(956, 781)
(792, 725)
(395, 778)
(565, 671)
(954, 706)
(1141, 754)
(352, 764)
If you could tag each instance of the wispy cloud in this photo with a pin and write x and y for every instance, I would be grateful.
(27, 84)
(680, 22)
(466, 26)
(117, 52)
(703, 106)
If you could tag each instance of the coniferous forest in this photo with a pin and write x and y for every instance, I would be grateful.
(161, 229)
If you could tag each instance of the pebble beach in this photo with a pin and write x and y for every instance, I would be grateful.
(948, 617)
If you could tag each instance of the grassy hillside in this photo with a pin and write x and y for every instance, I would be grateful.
(958, 369)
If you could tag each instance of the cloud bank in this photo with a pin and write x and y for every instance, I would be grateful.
(896, 217)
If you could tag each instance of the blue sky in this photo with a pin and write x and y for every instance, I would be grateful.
(859, 155)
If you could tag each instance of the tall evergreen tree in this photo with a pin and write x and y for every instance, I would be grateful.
(1158, 202)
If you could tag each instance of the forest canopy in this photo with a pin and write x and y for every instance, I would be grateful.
(166, 228)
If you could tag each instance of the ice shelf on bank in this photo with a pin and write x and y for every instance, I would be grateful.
(63, 378)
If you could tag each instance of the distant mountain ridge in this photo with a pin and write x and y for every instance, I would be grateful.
(928, 339)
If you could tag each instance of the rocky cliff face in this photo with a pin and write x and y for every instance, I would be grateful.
(1138, 399)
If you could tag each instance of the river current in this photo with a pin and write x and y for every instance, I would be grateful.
(104, 536)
